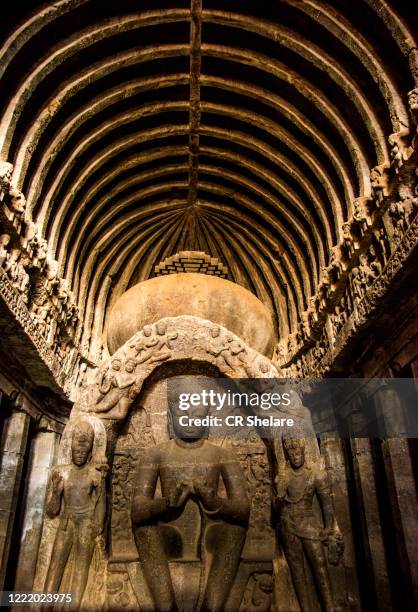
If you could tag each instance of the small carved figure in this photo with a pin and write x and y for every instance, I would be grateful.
(292, 344)
(17, 202)
(335, 266)
(153, 346)
(381, 238)
(189, 469)
(398, 215)
(116, 388)
(306, 328)
(301, 532)
(227, 350)
(281, 351)
(379, 178)
(77, 496)
(11, 262)
(338, 318)
(357, 284)
(259, 594)
(313, 310)
(15, 267)
(360, 215)
(6, 171)
(23, 279)
(42, 253)
(348, 239)
(63, 293)
(4, 252)
(52, 276)
(42, 315)
(375, 265)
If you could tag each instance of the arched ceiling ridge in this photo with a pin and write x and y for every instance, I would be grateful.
(91, 291)
(108, 239)
(111, 230)
(76, 122)
(251, 259)
(282, 188)
(83, 235)
(307, 89)
(117, 213)
(317, 57)
(71, 125)
(75, 216)
(132, 270)
(76, 42)
(165, 132)
(248, 204)
(26, 30)
(255, 189)
(162, 132)
(117, 256)
(343, 30)
(140, 129)
(251, 255)
(92, 226)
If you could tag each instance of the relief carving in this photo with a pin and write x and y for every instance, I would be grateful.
(4, 250)
(6, 172)
(77, 497)
(305, 538)
(258, 594)
(189, 470)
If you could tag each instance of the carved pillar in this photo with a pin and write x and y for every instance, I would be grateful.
(369, 516)
(42, 456)
(401, 486)
(345, 576)
(13, 447)
(368, 524)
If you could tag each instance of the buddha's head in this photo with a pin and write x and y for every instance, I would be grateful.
(187, 428)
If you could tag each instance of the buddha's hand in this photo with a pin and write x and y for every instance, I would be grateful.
(207, 496)
(178, 498)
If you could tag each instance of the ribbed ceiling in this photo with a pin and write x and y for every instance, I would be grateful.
(142, 128)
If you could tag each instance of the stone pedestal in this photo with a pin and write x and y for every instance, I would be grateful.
(42, 456)
(13, 447)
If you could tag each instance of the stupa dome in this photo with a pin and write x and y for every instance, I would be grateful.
(188, 293)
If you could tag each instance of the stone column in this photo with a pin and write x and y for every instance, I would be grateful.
(42, 456)
(375, 573)
(13, 447)
(369, 516)
(345, 575)
(401, 484)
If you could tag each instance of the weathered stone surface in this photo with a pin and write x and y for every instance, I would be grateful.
(276, 148)
(13, 446)
(42, 457)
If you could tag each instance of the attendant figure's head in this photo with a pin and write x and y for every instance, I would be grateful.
(82, 443)
(295, 451)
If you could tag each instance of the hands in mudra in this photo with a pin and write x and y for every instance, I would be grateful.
(205, 494)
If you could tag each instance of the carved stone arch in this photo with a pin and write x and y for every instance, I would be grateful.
(107, 401)
(171, 339)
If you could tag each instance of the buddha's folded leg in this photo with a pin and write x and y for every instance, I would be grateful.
(225, 547)
(153, 558)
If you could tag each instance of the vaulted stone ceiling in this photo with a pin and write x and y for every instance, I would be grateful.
(244, 129)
